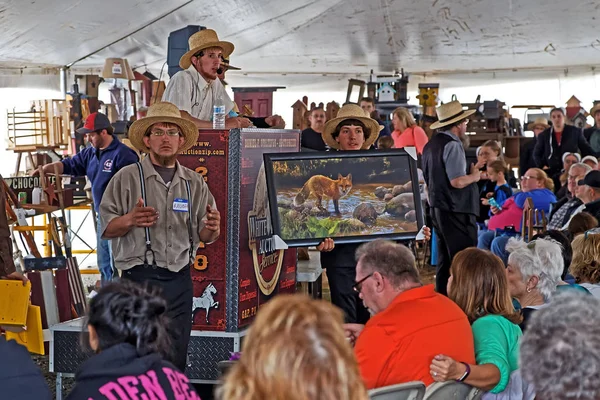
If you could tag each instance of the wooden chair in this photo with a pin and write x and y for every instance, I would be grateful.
(532, 220)
(451, 390)
(403, 391)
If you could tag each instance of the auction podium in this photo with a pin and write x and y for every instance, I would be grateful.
(237, 273)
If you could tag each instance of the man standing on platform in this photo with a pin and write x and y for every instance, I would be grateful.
(311, 138)
(157, 212)
(99, 163)
(197, 88)
(453, 194)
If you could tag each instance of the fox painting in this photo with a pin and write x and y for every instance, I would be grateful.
(321, 186)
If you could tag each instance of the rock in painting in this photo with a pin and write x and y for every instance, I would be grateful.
(380, 192)
(365, 213)
(399, 189)
(411, 216)
(351, 225)
(388, 197)
(400, 204)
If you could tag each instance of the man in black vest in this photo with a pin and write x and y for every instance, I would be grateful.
(453, 194)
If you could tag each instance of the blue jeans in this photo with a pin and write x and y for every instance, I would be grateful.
(104, 254)
(495, 242)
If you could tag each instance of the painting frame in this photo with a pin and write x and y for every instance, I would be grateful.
(343, 156)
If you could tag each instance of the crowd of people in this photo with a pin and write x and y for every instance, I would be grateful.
(511, 316)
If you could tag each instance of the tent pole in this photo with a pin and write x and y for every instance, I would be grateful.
(63, 81)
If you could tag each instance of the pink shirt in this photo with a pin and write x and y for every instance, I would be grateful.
(414, 136)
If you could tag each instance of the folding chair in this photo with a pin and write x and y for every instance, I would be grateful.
(403, 391)
(449, 390)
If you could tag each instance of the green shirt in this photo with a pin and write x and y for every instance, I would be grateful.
(497, 342)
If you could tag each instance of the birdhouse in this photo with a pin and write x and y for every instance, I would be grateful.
(428, 94)
(579, 120)
(386, 93)
(573, 102)
(573, 107)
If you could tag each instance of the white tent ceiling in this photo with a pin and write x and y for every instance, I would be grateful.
(285, 41)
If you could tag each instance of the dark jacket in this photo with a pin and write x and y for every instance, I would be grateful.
(593, 208)
(100, 165)
(20, 378)
(526, 160)
(592, 135)
(119, 369)
(548, 153)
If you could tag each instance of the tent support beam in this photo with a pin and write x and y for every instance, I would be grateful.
(129, 34)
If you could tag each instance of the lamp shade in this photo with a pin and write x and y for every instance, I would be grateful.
(129, 71)
(115, 68)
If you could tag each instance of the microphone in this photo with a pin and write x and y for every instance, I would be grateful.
(220, 70)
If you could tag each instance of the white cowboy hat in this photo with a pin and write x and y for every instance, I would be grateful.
(201, 40)
(450, 113)
(351, 111)
(162, 112)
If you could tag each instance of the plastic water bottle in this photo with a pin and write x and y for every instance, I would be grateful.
(219, 113)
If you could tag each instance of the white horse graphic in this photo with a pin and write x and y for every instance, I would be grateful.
(205, 301)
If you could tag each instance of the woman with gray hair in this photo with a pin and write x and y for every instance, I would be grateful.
(560, 352)
(533, 272)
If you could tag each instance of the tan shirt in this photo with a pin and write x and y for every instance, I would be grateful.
(169, 237)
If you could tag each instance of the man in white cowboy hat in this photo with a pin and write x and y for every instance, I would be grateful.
(593, 134)
(197, 88)
(156, 212)
(526, 161)
(453, 193)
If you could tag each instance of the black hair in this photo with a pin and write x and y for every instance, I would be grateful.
(347, 122)
(565, 243)
(559, 109)
(125, 312)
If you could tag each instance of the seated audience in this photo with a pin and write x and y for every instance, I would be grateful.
(479, 286)
(560, 180)
(582, 223)
(403, 335)
(385, 142)
(591, 161)
(295, 350)
(127, 331)
(589, 193)
(560, 352)
(20, 378)
(566, 206)
(368, 106)
(536, 185)
(533, 273)
(406, 131)
(311, 138)
(585, 266)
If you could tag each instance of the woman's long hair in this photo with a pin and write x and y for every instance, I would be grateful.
(540, 175)
(479, 285)
(125, 312)
(296, 349)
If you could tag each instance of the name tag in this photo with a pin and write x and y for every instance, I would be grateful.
(180, 205)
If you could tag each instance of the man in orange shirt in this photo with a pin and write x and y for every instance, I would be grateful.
(410, 323)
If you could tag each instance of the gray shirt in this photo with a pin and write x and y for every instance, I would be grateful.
(169, 237)
(454, 158)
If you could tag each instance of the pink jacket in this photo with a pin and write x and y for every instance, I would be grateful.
(413, 136)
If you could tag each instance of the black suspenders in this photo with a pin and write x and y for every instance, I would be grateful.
(147, 229)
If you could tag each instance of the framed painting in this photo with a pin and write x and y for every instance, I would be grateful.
(350, 196)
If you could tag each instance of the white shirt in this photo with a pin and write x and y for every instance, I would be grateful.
(191, 93)
(593, 288)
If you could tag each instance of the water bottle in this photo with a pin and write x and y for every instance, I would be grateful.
(219, 113)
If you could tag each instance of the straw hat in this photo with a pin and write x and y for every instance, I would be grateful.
(538, 122)
(204, 39)
(450, 113)
(595, 109)
(351, 111)
(162, 112)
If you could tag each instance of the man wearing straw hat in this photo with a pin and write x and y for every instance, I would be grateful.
(197, 88)
(453, 194)
(526, 161)
(156, 212)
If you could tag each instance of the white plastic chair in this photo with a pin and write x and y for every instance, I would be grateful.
(449, 390)
(402, 391)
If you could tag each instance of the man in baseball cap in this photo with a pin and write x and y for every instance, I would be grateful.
(99, 162)
(589, 192)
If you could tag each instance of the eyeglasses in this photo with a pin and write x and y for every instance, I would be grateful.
(357, 287)
(526, 178)
(160, 132)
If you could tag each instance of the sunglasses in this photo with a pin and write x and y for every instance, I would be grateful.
(357, 287)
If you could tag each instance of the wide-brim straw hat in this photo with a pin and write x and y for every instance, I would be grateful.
(595, 109)
(201, 40)
(450, 113)
(162, 112)
(351, 111)
(538, 122)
